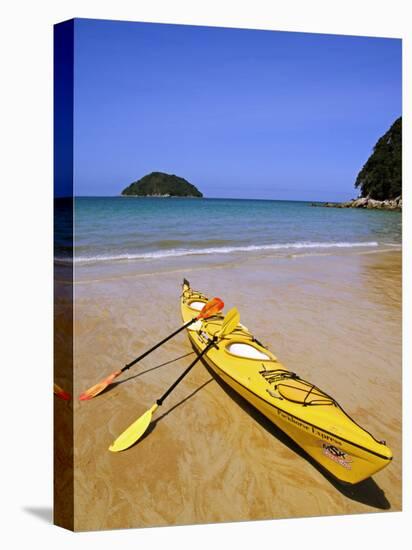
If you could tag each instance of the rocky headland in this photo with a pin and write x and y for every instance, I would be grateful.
(380, 180)
(365, 202)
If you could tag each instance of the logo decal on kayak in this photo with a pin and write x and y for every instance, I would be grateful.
(337, 455)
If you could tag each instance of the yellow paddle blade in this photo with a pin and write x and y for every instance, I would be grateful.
(98, 388)
(230, 322)
(133, 432)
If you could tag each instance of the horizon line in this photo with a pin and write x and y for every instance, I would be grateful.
(197, 198)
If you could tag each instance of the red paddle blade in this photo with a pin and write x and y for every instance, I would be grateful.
(212, 307)
(59, 392)
(98, 388)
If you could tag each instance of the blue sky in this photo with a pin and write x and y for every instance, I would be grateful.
(239, 113)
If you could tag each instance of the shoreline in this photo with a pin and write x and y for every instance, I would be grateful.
(87, 272)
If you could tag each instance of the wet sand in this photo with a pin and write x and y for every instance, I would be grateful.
(210, 457)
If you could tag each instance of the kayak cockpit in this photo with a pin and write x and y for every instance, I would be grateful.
(247, 351)
(197, 305)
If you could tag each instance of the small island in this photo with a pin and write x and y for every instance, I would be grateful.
(159, 184)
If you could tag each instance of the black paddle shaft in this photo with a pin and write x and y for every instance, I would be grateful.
(157, 345)
(172, 387)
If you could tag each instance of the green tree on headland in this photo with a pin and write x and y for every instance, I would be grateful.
(381, 176)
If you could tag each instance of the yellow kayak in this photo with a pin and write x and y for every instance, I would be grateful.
(313, 419)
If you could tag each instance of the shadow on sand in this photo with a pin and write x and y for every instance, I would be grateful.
(152, 425)
(114, 384)
(365, 492)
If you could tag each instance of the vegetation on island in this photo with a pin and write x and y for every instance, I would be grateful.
(381, 177)
(159, 184)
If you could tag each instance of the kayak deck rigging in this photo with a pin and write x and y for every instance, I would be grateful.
(298, 390)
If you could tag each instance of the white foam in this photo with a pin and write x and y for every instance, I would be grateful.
(174, 253)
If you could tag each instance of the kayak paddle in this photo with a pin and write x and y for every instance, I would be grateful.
(138, 428)
(212, 307)
(59, 392)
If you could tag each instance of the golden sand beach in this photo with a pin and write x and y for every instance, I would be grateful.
(334, 319)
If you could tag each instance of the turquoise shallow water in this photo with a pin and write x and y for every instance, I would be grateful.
(112, 229)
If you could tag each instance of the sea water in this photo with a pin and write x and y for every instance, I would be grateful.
(131, 229)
